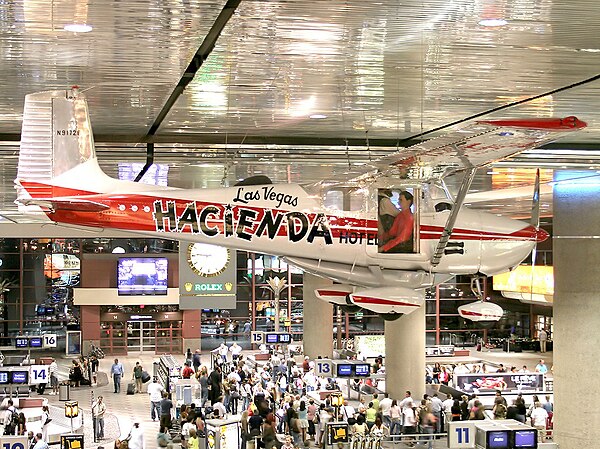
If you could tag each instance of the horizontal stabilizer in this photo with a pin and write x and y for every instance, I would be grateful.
(72, 204)
(336, 294)
(387, 300)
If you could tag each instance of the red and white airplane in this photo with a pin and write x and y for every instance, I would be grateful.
(380, 258)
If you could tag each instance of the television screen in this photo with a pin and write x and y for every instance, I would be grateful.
(497, 439)
(272, 338)
(142, 276)
(3, 377)
(19, 377)
(525, 439)
(35, 342)
(362, 369)
(21, 342)
(285, 338)
(344, 370)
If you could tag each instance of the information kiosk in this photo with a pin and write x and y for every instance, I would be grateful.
(223, 433)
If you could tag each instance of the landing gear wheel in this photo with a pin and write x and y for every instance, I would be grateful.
(391, 316)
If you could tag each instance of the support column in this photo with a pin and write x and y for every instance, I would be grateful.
(190, 331)
(318, 319)
(405, 355)
(576, 255)
(90, 327)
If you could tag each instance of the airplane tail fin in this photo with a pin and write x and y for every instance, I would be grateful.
(57, 147)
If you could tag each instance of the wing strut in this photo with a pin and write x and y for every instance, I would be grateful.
(458, 202)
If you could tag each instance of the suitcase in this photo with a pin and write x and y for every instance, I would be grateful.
(130, 388)
(145, 376)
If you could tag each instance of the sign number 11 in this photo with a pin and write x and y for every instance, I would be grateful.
(462, 435)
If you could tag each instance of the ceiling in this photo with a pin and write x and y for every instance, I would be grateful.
(300, 90)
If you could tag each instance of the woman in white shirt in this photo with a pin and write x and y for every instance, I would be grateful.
(396, 417)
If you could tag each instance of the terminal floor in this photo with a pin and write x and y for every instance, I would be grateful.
(127, 409)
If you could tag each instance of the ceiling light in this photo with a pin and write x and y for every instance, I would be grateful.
(78, 28)
(492, 22)
(318, 116)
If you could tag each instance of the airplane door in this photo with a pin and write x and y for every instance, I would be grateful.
(396, 210)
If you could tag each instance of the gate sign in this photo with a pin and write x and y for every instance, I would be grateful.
(38, 374)
(49, 340)
(7, 442)
(461, 435)
(257, 337)
(72, 441)
(324, 368)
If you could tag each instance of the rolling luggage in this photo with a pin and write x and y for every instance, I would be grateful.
(130, 388)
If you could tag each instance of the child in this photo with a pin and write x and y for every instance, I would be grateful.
(192, 442)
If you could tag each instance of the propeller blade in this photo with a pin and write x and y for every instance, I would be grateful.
(535, 207)
(535, 221)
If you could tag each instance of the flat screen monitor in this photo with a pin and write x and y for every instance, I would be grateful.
(344, 369)
(285, 338)
(19, 377)
(362, 370)
(272, 338)
(3, 377)
(497, 439)
(35, 342)
(525, 439)
(142, 276)
(21, 342)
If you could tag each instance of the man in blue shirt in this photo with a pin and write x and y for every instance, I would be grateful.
(117, 372)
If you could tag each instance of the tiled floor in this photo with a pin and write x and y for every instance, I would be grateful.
(122, 409)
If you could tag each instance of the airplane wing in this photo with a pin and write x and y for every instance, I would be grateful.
(476, 145)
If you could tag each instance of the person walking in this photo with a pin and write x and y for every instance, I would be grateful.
(117, 373)
(137, 377)
(543, 337)
(155, 391)
(53, 373)
(98, 411)
(45, 422)
(166, 405)
(136, 437)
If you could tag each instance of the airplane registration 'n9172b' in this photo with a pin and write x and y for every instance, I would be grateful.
(407, 234)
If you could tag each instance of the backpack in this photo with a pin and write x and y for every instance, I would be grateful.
(14, 419)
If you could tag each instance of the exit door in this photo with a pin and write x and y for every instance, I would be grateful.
(141, 336)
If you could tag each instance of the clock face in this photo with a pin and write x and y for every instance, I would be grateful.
(207, 260)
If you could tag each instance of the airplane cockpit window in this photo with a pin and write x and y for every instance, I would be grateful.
(348, 199)
(440, 207)
(396, 220)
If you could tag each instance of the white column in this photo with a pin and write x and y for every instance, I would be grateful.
(576, 338)
(318, 319)
(405, 355)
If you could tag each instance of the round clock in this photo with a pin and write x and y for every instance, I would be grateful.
(207, 260)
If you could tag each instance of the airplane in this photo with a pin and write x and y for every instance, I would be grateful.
(380, 259)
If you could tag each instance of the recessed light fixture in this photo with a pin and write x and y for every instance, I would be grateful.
(78, 28)
(318, 116)
(492, 22)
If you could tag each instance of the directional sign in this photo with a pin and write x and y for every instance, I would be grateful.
(324, 368)
(461, 434)
(257, 337)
